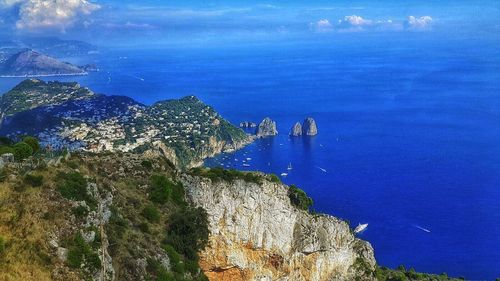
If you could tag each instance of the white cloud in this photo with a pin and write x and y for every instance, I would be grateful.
(9, 3)
(354, 23)
(322, 25)
(418, 23)
(51, 14)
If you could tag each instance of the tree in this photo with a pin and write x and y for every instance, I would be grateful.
(33, 142)
(22, 151)
(299, 198)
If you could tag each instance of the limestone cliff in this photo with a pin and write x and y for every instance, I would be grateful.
(257, 234)
(309, 127)
(266, 128)
(296, 130)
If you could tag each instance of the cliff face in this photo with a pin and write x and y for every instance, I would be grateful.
(266, 128)
(257, 234)
(296, 130)
(309, 128)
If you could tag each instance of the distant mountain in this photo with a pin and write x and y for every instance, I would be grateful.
(67, 115)
(51, 46)
(31, 63)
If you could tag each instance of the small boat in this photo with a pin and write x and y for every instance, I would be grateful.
(289, 167)
(249, 159)
(284, 174)
(360, 228)
(246, 165)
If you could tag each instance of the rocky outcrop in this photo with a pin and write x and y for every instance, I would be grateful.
(247, 124)
(309, 127)
(296, 130)
(257, 234)
(266, 128)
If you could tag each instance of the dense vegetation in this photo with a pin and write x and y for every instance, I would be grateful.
(21, 150)
(299, 198)
(220, 174)
(402, 274)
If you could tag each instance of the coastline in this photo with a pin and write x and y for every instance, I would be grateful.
(44, 75)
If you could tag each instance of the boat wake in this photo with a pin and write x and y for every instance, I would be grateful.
(421, 228)
(136, 77)
(323, 170)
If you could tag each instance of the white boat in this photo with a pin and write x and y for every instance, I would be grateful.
(246, 165)
(284, 174)
(360, 228)
(289, 166)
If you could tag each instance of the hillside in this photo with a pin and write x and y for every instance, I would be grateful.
(62, 115)
(31, 63)
(130, 217)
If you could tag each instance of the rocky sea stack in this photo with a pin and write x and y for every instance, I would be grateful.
(309, 127)
(296, 130)
(267, 128)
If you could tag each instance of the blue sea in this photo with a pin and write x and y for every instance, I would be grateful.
(409, 131)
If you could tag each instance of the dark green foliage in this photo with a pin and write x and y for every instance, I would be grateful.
(161, 188)
(22, 151)
(175, 259)
(147, 164)
(177, 195)
(3, 175)
(144, 227)
(80, 211)
(151, 213)
(6, 149)
(299, 198)
(219, 174)
(33, 180)
(401, 274)
(116, 228)
(158, 272)
(188, 231)
(80, 252)
(2, 245)
(5, 141)
(274, 178)
(33, 143)
(73, 186)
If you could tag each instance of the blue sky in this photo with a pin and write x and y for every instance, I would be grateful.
(187, 21)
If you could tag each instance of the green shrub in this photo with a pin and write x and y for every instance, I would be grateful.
(178, 194)
(73, 186)
(188, 231)
(6, 149)
(299, 198)
(156, 269)
(22, 151)
(3, 174)
(5, 141)
(274, 178)
(116, 229)
(80, 252)
(80, 211)
(33, 180)
(2, 245)
(147, 164)
(220, 174)
(151, 213)
(33, 143)
(161, 188)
